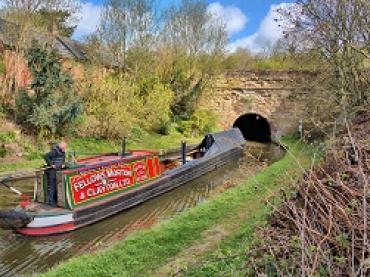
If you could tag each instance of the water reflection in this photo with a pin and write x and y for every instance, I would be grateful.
(19, 254)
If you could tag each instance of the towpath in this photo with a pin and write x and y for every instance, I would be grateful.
(190, 243)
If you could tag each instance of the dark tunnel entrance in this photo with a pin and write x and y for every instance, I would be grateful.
(254, 127)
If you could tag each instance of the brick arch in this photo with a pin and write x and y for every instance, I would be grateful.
(254, 127)
(270, 94)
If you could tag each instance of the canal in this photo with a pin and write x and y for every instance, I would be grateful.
(27, 255)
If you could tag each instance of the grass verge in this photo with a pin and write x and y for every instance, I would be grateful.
(147, 250)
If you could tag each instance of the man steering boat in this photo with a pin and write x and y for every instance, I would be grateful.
(55, 160)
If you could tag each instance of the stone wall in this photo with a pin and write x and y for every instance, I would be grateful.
(272, 94)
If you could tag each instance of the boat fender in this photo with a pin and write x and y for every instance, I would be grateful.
(12, 220)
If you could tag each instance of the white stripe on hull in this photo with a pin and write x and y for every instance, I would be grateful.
(47, 221)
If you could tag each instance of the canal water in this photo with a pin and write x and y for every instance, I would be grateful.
(27, 255)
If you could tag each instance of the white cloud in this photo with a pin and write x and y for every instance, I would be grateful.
(89, 19)
(234, 19)
(267, 35)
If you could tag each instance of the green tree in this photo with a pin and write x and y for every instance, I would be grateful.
(156, 104)
(52, 104)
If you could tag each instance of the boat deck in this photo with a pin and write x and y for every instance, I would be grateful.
(45, 209)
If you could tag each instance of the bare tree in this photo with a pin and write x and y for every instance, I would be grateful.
(339, 29)
(41, 15)
(124, 24)
(35, 5)
(190, 27)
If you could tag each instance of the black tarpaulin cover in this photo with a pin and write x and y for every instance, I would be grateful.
(225, 140)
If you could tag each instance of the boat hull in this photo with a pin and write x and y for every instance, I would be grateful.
(80, 217)
(123, 183)
(49, 225)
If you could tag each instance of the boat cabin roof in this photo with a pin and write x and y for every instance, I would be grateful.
(107, 159)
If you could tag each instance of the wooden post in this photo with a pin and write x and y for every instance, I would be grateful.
(40, 192)
(61, 190)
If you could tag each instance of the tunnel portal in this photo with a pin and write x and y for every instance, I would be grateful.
(254, 127)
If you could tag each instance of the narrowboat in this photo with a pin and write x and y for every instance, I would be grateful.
(100, 186)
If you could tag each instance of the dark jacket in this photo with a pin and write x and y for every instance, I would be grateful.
(55, 157)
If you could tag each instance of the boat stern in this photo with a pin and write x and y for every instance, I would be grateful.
(43, 225)
(39, 219)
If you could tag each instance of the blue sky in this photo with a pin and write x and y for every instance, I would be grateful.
(250, 23)
(255, 10)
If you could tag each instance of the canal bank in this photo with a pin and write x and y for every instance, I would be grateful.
(151, 250)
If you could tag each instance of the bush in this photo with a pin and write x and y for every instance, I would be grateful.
(165, 129)
(7, 137)
(109, 107)
(116, 105)
(205, 120)
(137, 133)
(156, 107)
(3, 151)
(2, 66)
(202, 122)
(187, 128)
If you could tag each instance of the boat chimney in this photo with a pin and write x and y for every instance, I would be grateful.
(124, 143)
(183, 152)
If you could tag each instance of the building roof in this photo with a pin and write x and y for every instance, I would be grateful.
(66, 47)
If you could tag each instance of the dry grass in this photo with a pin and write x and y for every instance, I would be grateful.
(323, 230)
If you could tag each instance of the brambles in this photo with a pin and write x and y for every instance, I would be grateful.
(324, 228)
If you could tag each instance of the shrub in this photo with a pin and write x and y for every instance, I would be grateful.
(3, 151)
(156, 107)
(201, 123)
(7, 137)
(2, 66)
(165, 129)
(109, 108)
(205, 120)
(137, 133)
(187, 127)
(116, 105)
